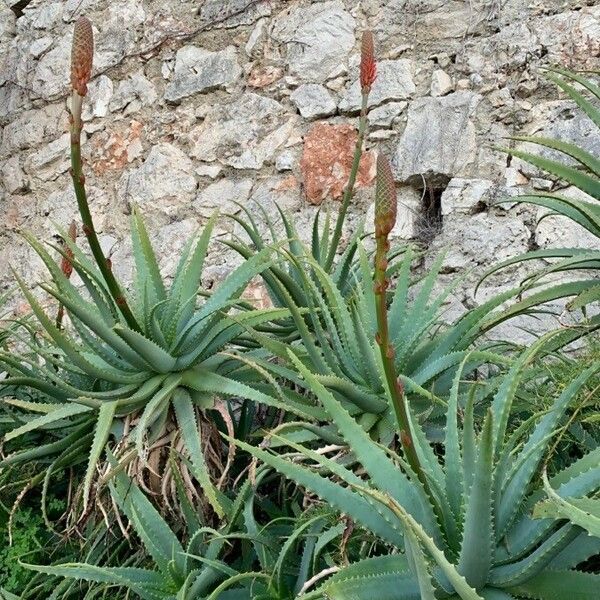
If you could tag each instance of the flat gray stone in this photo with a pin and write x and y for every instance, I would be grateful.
(439, 138)
(244, 134)
(316, 38)
(394, 82)
(313, 101)
(198, 70)
(164, 181)
(132, 94)
(223, 195)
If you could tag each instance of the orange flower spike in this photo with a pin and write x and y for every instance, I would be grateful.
(82, 54)
(386, 202)
(368, 65)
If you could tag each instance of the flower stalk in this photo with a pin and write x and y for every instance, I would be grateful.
(385, 219)
(368, 73)
(81, 69)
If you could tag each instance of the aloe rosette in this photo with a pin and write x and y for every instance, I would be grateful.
(134, 366)
(473, 535)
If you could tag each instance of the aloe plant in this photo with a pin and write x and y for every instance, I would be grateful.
(582, 172)
(242, 560)
(133, 364)
(336, 338)
(473, 535)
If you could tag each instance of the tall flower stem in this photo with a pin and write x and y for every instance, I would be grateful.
(385, 218)
(368, 73)
(349, 189)
(81, 66)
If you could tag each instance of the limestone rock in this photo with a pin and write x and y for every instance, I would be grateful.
(198, 70)
(100, 92)
(394, 82)
(132, 94)
(327, 160)
(313, 101)
(13, 176)
(232, 13)
(163, 182)
(482, 239)
(223, 195)
(441, 83)
(244, 133)
(439, 138)
(384, 116)
(464, 196)
(316, 38)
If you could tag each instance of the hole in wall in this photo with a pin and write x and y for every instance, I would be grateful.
(431, 188)
(19, 6)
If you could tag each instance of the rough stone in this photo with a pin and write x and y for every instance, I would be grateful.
(313, 101)
(232, 13)
(132, 94)
(384, 116)
(394, 82)
(439, 138)
(100, 92)
(224, 195)
(198, 70)
(164, 182)
(465, 196)
(481, 239)
(317, 38)
(441, 83)
(327, 160)
(13, 176)
(244, 133)
(31, 128)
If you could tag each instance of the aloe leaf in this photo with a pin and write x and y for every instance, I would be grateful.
(383, 472)
(461, 586)
(520, 571)
(149, 585)
(343, 499)
(190, 433)
(68, 347)
(527, 460)
(584, 512)
(147, 270)
(579, 550)
(590, 110)
(579, 154)
(580, 478)
(205, 381)
(60, 412)
(476, 553)
(155, 406)
(228, 289)
(40, 407)
(102, 431)
(419, 566)
(452, 453)
(160, 360)
(560, 585)
(86, 313)
(381, 577)
(585, 183)
(586, 297)
(159, 540)
(188, 275)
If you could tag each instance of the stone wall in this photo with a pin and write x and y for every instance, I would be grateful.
(208, 103)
